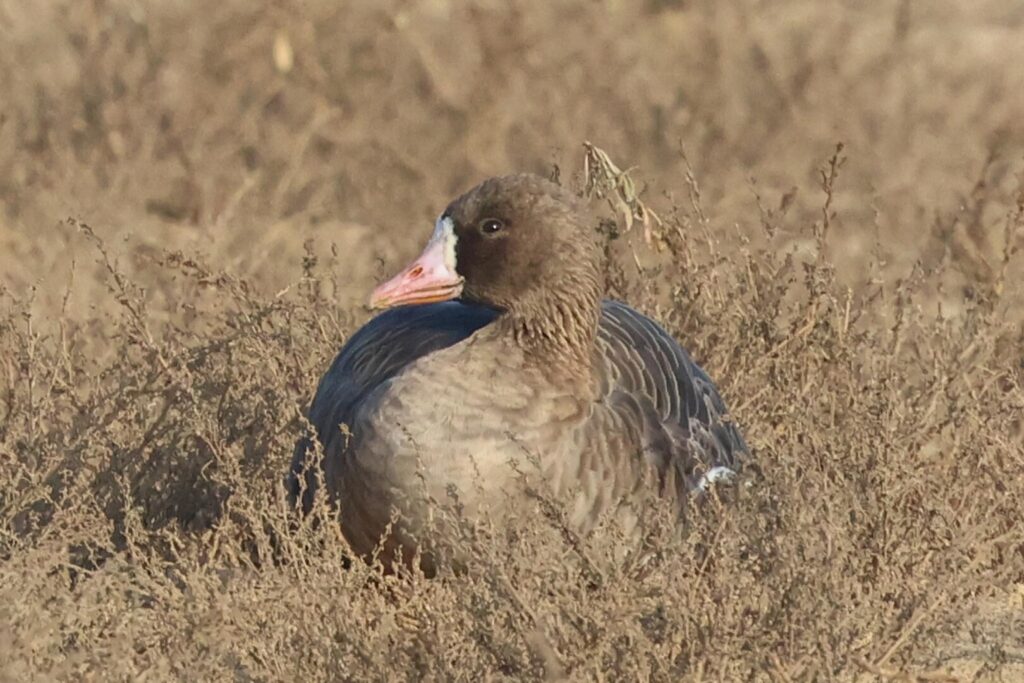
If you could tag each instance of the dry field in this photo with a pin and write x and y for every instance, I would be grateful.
(195, 198)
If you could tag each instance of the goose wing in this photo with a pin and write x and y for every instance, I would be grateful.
(374, 354)
(669, 408)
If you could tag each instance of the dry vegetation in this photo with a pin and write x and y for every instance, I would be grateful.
(194, 197)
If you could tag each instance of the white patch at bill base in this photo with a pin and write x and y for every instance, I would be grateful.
(444, 231)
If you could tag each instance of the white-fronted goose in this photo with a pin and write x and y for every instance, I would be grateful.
(497, 345)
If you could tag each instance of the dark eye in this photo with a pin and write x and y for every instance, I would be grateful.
(490, 226)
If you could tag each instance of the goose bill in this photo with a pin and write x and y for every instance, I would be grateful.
(430, 278)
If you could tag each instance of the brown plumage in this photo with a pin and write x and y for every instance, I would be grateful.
(529, 366)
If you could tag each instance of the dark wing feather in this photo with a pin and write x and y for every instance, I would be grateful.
(374, 354)
(668, 400)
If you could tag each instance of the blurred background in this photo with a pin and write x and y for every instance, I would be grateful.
(196, 198)
(244, 131)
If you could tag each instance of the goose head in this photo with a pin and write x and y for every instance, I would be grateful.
(518, 243)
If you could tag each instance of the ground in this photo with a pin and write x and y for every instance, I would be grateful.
(196, 198)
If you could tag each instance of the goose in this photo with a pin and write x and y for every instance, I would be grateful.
(496, 354)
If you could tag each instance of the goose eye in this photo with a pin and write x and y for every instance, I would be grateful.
(491, 226)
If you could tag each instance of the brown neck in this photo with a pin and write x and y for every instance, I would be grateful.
(556, 326)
